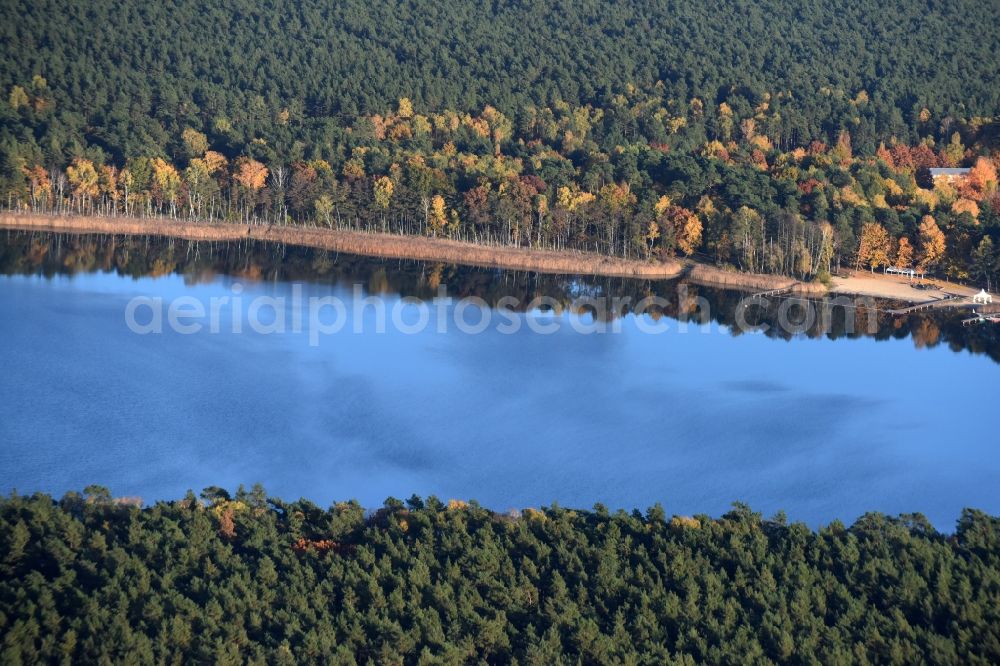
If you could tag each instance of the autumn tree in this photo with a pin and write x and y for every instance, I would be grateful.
(167, 182)
(652, 233)
(250, 173)
(214, 162)
(953, 153)
(303, 187)
(383, 192)
(824, 252)
(966, 206)
(199, 183)
(932, 244)
(126, 181)
(842, 152)
(617, 200)
(405, 108)
(904, 253)
(476, 202)
(874, 246)
(980, 182)
(500, 127)
(107, 182)
(251, 176)
(678, 224)
(39, 185)
(438, 217)
(195, 142)
(227, 526)
(18, 98)
(83, 179)
(689, 229)
(726, 122)
(324, 208)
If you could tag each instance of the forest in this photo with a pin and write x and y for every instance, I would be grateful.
(753, 135)
(247, 578)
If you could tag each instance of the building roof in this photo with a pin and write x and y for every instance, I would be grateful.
(950, 172)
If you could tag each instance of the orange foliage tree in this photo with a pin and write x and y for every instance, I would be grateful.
(932, 243)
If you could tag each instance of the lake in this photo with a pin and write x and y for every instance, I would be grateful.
(548, 403)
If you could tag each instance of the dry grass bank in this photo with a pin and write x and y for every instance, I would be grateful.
(354, 242)
(717, 277)
(411, 247)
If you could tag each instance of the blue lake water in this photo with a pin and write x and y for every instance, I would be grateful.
(695, 420)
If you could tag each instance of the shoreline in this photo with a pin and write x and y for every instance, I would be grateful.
(381, 245)
(418, 248)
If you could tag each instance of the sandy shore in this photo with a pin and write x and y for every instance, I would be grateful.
(391, 246)
(895, 287)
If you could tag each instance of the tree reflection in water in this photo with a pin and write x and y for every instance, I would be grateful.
(50, 254)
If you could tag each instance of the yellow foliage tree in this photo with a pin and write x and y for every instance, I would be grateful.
(437, 218)
(946, 191)
(324, 208)
(383, 192)
(954, 151)
(928, 198)
(570, 199)
(167, 180)
(400, 131)
(932, 243)
(652, 233)
(214, 161)
(689, 233)
(18, 97)
(195, 142)
(82, 178)
(354, 168)
(843, 152)
(617, 197)
(662, 205)
(108, 182)
(421, 125)
(873, 249)
(726, 121)
(500, 127)
(405, 108)
(715, 149)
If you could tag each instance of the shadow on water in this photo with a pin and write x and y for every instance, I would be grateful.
(50, 254)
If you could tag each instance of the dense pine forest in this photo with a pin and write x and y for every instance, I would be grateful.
(251, 579)
(760, 136)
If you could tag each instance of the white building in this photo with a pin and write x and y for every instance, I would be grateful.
(949, 175)
(982, 297)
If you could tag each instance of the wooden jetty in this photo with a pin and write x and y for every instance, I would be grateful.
(949, 300)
